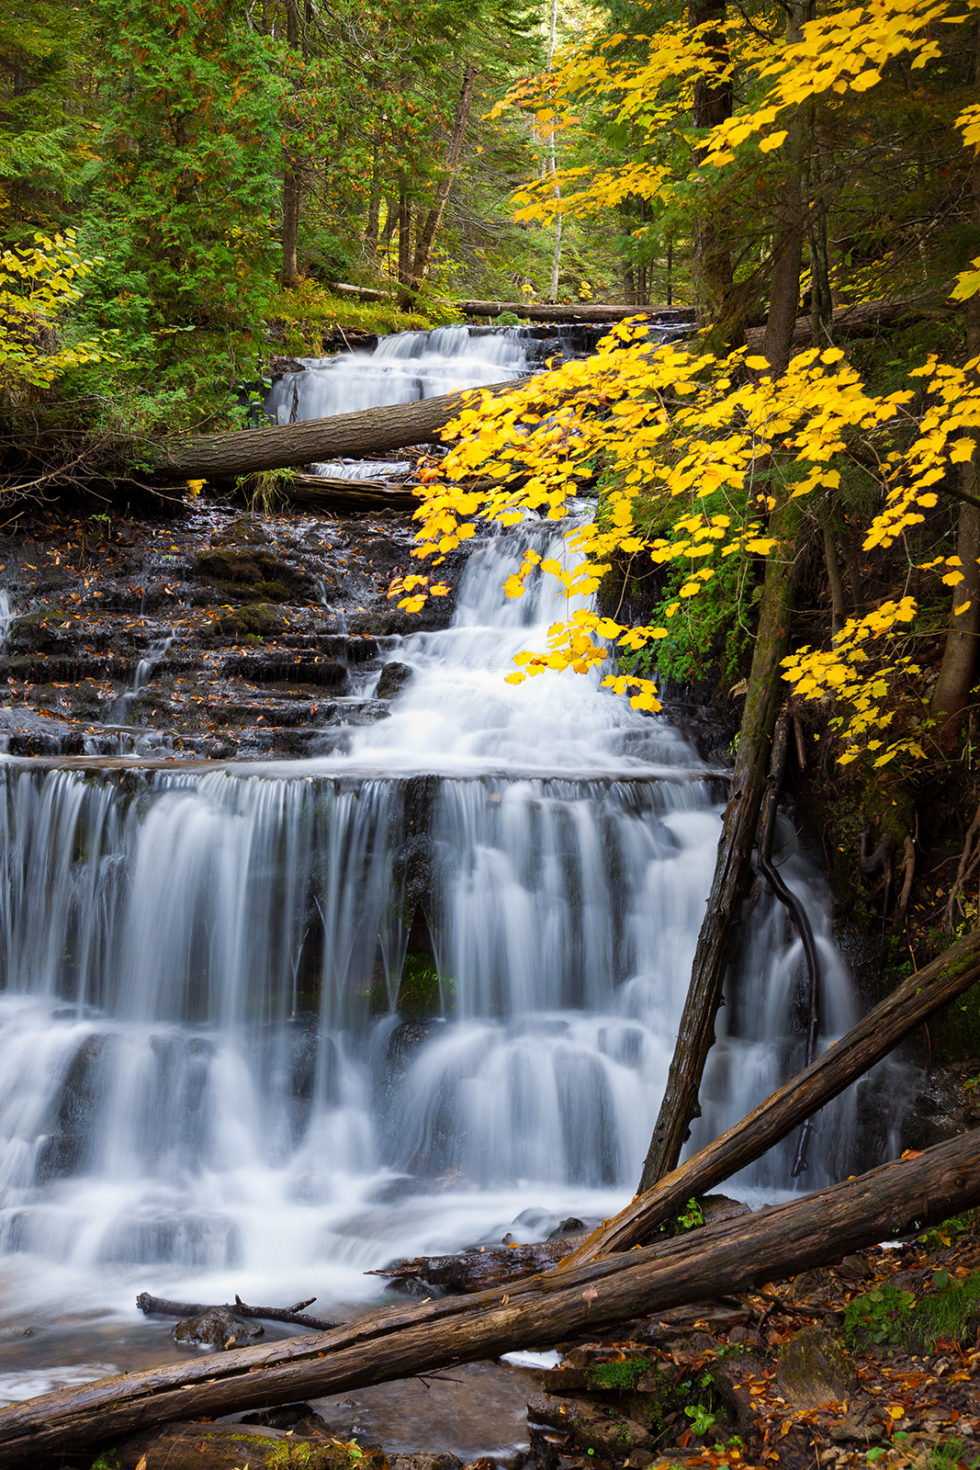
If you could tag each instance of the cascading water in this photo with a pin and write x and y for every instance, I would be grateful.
(266, 1026)
(204, 1082)
(401, 369)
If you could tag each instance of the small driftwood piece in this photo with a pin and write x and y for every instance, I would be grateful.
(158, 1306)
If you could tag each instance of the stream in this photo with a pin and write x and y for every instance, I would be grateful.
(266, 1025)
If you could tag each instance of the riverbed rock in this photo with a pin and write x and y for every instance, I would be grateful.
(815, 1368)
(218, 1329)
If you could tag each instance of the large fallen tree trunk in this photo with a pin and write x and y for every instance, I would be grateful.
(536, 311)
(905, 1195)
(864, 319)
(883, 1028)
(282, 446)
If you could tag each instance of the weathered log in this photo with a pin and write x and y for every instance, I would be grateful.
(158, 1306)
(861, 320)
(538, 311)
(902, 1196)
(335, 491)
(282, 446)
(581, 311)
(882, 1029)
(696, 1031)
(224, 1447)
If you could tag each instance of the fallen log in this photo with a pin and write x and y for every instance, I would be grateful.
(345, 435)
(158, 1306)
(918, 997)
(579, 311)
(227, 1447)
(539, 311)
(882, 1029)
(864, 319)
(333, 490)
(899, 1197)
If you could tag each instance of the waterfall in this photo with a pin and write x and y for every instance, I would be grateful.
(205, 1085)
(266, 1026)
(401, 369)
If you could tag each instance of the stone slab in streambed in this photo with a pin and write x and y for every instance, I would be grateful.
(211, 634)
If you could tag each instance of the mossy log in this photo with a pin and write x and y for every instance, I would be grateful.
(399, 1342)
(235, 1447)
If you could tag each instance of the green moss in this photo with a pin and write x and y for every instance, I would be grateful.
(251, 620)
(894, 1320)
(420, 991)
(623, 1374)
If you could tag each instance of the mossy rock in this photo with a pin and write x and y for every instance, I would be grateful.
(251, 620)
(251, 572)
(815, 1368)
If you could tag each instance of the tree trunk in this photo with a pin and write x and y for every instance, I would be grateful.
(956, 673)
(371, 431)
(882, 1029)
(711, 256)
(696, 1033)
(292, 186)
(398, 1342)
(427, 234)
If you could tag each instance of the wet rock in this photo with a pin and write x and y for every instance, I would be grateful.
(254, 574)
(285, 668)
(571, 1225)
(253, 620)
(217, 1329)
(394, 676)
(854, 1268)
(815, 1368)
(424, 1462)
(294, 1417)
(596, 1426)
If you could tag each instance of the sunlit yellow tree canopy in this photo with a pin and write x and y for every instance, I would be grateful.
(694, 451)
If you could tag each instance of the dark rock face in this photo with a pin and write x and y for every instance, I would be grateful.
(231, 635)
(217, 1329)
(394, 676)
(814, 1368)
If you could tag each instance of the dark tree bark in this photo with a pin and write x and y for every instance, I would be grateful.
(430, 226)
(697, 1026)
(883, 1028)
(398, 1342)
(292, 184)
(957, 671)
